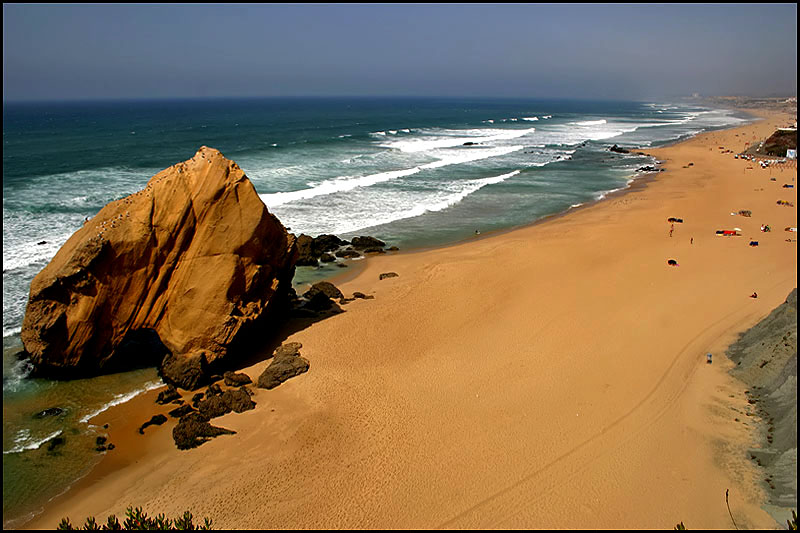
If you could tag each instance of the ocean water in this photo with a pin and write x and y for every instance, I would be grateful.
(413, 172)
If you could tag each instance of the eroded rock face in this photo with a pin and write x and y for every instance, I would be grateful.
(194, 261)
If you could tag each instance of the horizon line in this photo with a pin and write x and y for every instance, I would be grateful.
(331, 97)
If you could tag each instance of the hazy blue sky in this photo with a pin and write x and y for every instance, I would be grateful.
(512, 50)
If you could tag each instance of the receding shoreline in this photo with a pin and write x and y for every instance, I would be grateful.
(636, 182)
(425, 267)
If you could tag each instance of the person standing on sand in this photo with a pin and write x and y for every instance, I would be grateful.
(691, 241)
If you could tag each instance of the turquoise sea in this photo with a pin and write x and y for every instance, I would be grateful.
(413, 172)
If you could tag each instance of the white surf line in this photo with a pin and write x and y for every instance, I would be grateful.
(346, 184)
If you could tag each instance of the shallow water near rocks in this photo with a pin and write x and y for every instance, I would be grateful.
(32, 473)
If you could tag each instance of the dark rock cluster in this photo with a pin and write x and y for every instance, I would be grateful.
(194, 416)
(233, 379)
(194, 429)
(56, 442)
(50, 411)
(286, 363)
(178, 412)
(103, 445)
(154, 420)
(327, 248)
(321, 300)
(618, 150)
(169, 395)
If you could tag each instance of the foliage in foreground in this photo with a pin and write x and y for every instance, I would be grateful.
(136, 519)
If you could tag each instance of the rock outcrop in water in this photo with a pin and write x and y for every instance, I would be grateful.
(178, 274)
(326, 248)
(618, 150)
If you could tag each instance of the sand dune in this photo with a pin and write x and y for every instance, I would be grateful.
(549, 377)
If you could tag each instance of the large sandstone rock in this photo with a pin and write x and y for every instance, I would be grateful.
(178, 273)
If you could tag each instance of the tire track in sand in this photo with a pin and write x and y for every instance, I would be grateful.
(509, 502)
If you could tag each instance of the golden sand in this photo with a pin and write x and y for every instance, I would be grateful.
(549, 377)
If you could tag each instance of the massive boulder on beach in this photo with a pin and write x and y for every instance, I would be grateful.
(180, 274)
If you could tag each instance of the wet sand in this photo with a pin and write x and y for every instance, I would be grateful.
(549, 377)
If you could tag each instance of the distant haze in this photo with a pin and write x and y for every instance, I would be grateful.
(68, 52)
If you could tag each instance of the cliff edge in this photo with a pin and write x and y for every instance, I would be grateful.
(766, 359)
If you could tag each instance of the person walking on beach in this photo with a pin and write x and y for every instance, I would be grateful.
(671, 229)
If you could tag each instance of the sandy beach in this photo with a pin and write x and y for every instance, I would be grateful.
(553, 376)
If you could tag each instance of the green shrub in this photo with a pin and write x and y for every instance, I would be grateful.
(136, 519)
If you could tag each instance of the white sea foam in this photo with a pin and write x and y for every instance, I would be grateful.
(570, 135)
(7, 332)
(590, 122)
(390, 207)
(348, 183)
(32, 253)
(19, 371)
(24, 442)
(451, 138)
(122, 398)
(530, 119)
(456, 197)
(603, 194)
